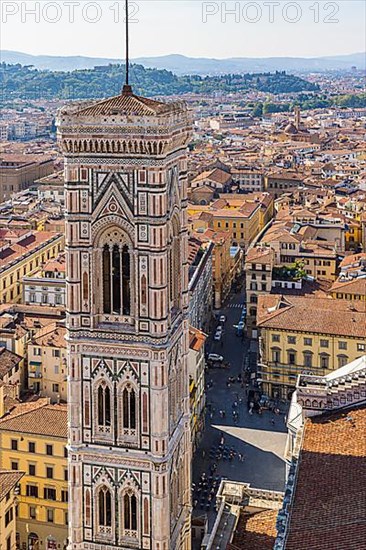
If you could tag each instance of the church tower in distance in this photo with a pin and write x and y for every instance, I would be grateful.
(127, 300)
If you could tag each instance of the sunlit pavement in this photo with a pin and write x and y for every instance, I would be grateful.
(260, 439)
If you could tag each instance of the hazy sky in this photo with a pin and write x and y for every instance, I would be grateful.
(195, 28)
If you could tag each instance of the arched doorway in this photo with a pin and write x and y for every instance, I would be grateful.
(33, 541)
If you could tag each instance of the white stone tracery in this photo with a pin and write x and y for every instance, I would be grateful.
(109, 240)
(103, 398)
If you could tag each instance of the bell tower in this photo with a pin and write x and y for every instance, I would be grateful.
(127, 298)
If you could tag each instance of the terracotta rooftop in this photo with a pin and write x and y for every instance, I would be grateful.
(14, 251)
(285, 176)
(57, 265)
(329, 508)
(354, 286)
(312, 315)
(255, 531)
(8, 480)
(194, 246)
(38, 418)
(125, 104)
(217, 175)
(352, 259)
(260, 254)
(218, 237)
(52, 335)
(21, 159)
(8, 360)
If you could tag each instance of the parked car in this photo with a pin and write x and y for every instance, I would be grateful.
(222, 319)
(218, 335)
(214, 357)
(240, 329)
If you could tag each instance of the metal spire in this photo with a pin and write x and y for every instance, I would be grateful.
(127, 88)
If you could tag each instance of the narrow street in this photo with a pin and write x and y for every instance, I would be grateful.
(256, 442)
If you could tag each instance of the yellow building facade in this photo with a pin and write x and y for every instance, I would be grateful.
(242, 228)
(8, 508)
(24, 257)
(242, 216)
(33, 438)
(302, 335)
(47, 368)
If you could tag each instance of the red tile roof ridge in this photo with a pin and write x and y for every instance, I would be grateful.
(25, 407)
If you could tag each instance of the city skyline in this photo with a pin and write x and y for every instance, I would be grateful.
(182, 275)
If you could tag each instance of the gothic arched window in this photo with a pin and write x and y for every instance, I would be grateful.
(105, 507)
(130, 512)
(129, 408)
(104, 406)
(116, 280)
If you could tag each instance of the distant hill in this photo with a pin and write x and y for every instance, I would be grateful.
(29, 83)
(180, 64)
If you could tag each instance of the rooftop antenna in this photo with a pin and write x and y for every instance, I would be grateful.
(127, 90)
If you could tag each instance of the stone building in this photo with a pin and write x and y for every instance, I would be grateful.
(47, 372)
(326, 447)
(18, 172)
(196, 371)
(22, 253)
(127, 306)
(9, 483)
(200, 282)
(33, 438)
(46, 286)
(259, 263)
(306, 335)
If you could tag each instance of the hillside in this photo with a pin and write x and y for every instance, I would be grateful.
(181, 64)
(26, 82)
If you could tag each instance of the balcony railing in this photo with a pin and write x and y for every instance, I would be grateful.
(34, 374)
